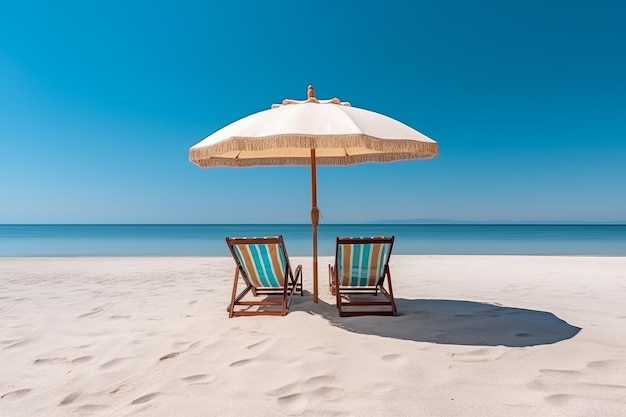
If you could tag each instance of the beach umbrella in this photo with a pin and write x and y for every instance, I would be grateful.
(312, 132)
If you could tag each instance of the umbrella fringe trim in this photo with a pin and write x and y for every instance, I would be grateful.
(385, 150)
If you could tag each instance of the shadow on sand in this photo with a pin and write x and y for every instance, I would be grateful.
(458, 322)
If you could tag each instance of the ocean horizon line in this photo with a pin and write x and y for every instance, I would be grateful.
(374, 222)
(208, 239)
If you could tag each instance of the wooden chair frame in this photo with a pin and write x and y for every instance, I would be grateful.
(293, 282)
(343, 293)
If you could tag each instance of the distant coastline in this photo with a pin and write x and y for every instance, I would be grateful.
(499, 222)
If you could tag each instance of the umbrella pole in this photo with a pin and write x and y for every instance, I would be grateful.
(315, 216)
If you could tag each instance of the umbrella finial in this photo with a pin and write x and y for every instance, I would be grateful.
(310, 92)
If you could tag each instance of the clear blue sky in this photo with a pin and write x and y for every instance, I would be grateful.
(100, 102)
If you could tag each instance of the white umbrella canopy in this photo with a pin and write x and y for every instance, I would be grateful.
(339, 133)
(312, 132)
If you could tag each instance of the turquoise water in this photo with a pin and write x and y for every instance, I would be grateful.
(208, 240)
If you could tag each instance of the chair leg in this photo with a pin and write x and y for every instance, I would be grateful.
(332, 282)
(393, 300)
(298, 278)
(338, 295)
(231, 307)
(291, 287)
(237, 297)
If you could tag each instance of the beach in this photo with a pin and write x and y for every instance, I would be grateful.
(475, 336)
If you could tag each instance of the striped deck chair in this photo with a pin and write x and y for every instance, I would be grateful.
(263, 264)
(361, 266)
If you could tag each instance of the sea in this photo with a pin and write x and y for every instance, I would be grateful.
(411, 239)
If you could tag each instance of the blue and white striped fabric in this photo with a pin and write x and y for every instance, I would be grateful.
(264, 264)
(361, 264)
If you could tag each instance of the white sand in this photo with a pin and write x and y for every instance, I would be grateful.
(477, 336)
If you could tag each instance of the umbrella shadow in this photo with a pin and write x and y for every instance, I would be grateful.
(457, 322)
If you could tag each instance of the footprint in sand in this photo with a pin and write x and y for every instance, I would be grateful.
(568, 380)
(121, 387)
(16, 394)
(558, 399)
(240, 363)
(329, 393)
(69, 398)
(198, 379)
(94, 311)
(144, 398)
(536, 384)
(391, 357)
(319, 387)
(398, 359)
(82, 346)
(169, 356)
(90, 407)
(316, 348)
(559, 372)
(318, 380)
(293, 403)
(112, 363)
(82, 359)
(601, 365)
(43, 361)
(260, 344)
(16, 343)
(281, 391)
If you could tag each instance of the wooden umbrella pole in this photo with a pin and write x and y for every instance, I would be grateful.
(315, 217)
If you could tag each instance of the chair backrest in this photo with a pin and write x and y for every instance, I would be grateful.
(361, 261)
(262, 260)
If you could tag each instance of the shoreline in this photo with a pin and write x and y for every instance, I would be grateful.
(477, 335)
(496, 255)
